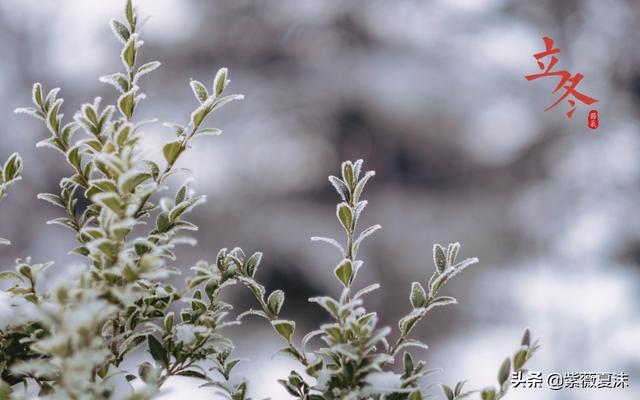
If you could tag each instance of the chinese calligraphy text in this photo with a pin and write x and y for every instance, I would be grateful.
(547, 60)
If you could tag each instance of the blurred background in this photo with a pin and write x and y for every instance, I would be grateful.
(432, 95)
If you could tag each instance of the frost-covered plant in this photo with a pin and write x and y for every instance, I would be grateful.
(72, 340)
(9, 174)
(84, 329)
(356, 360)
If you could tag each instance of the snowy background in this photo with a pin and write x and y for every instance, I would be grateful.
(431, 94)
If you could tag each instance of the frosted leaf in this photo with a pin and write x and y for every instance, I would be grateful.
(464, 264)
(361, 184)
(120, 31)
(36, 95)
(220, 81)
(209, 132)
(199, 90)
(366, 233)
(245, 314)
(184, 240)
(147, 68)
(118, 80)
(128, 55)
(332, 242)
(452, 252)
(441, 301)
(412, 343)
(357, 167)
(366, 290)
(360, 206)
(310, 336)
(51, 97)
(418, 296)
(340, 187)
(29, 111)
(226, 99)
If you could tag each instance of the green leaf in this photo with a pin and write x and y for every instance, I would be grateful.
(408, 322)
(126, 104)
(252, 264)
(275, 301)
(519, 359)
(130, 181)
(200, 91)
(448, 392)
(361, 184)
(168, 322)
(107, 247)
(83, 251)
(439, 258)
(505, 371)
(12, 168)
(109, 200)
(328, 303)
(220, 81)
(36, 93)
(452, 252)
(171, 151)
(163, 224)
(347, 173)
(6, 275)
(180, 209)
(458, 389)
(418, 295)
(90, 114)
(257, 289)
(129, 52)
(408, 364)
(52, 117)
(415, 395)
(488, 394)
(345, 216)
(201, 113)
(99, 186)
(63, 221)
(128, 12)
(526, 338)
(193, 374)
(118, 80)
(442, 301)
(148, 67)
(340, 187)
(344, 272)
(74, 158)
(284, 327)
(437, 281)
(120, 30)
(25, 270)
(157, 351)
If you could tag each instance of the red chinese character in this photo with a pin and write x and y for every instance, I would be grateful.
(567, 82)
(593, 121)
